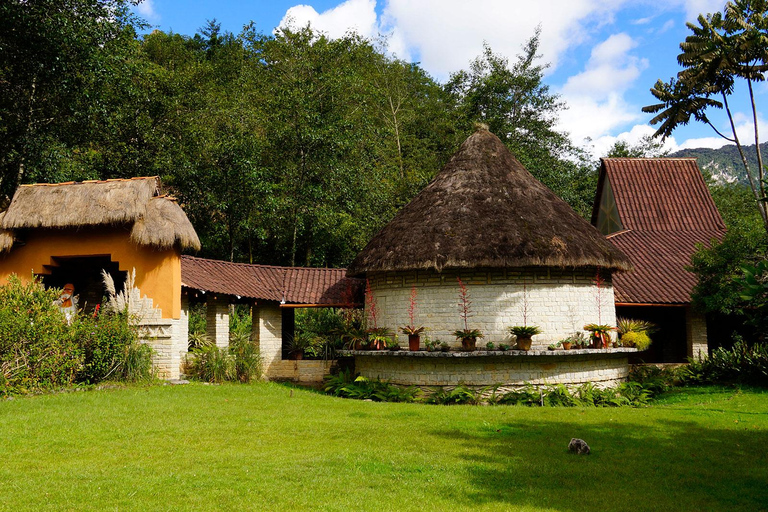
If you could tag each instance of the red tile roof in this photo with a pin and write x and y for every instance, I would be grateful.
(666, 210)
(294, 285)
(660, 258)
(660, 194)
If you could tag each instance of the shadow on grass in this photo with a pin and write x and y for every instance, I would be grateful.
(669, 466)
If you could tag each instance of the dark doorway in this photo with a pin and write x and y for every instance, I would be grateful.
(85, 274)
(670, 342)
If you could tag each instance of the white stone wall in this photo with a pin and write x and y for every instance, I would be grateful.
(270, 339)
(696, 329)
(559, 301)
(601, 368)
(217, 320)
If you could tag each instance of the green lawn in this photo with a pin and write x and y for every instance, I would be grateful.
(271, 447)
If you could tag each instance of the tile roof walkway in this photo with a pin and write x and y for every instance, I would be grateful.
(293, 285)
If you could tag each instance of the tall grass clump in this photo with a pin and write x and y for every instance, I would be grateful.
(211, 364)
(247, 357)
(240, 362)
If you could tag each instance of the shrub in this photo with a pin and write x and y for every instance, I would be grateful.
(459, 395)
(627, 394)
(247, 358)
(345, 385)
(741, 364)
(211, 364)
(638, 339)
(656, 379)
(106, 343)
(37, 348)
(137, 365)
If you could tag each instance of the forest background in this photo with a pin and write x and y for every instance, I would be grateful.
(288, 148)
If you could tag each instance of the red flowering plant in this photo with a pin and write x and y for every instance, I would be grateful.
(378, 337)
(411, 328)
(467, 336)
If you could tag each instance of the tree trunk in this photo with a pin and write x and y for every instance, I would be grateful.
(755, 190)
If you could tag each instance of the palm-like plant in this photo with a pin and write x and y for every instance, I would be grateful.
(720, 49)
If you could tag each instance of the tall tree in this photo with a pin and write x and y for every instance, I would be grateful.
(721, 49)
(54, 57)
(519, 108)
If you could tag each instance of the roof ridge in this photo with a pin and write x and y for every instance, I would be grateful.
(83, 182)
(260, 265)
(648, 158)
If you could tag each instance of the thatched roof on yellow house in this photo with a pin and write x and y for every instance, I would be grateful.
(156, 220)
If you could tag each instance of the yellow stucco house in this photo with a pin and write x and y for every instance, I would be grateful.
(68, 232)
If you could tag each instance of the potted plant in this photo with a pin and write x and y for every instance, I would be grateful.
(352, 337)
(444, 346)
(413, 336)
(490, 346)
(298, 344)
(411, 330)
(503, 347)
(379, 338)
(634, 333)
(467, 336)
(430, 344)
(524, 335)
(600, 334)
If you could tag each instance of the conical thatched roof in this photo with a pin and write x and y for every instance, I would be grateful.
(156, 220)
(485, 210)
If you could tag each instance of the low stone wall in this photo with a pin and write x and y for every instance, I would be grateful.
(304, 371)
(511, 369)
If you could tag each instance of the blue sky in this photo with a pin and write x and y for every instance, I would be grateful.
(604, 55)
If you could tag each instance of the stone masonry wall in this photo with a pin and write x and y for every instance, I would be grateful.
(167, 337)
(217, 320)
(560, 301)
(270, 338)
(696, 329)
(509, 371)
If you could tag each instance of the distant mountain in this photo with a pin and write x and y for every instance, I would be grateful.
(724, 164)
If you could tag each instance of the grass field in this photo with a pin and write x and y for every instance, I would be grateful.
(272, 447)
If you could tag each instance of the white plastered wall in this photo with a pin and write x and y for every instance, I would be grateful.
(559, 301)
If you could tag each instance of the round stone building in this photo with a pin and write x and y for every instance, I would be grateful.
(525, 256)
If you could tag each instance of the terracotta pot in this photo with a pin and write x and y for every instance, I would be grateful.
(468, 344)
(413, 342)
(358, 345)
(566, 345)
(298, 355)
(524, 342)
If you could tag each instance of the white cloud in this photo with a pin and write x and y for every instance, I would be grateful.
(146, 10)
(352, 15)
(695, 7)
(357, 15)
(447, 34)
(666, 27)
(595, 97)
(601, 145)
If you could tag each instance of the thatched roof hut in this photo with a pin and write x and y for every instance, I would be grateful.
(485, 210)
(156, 220)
